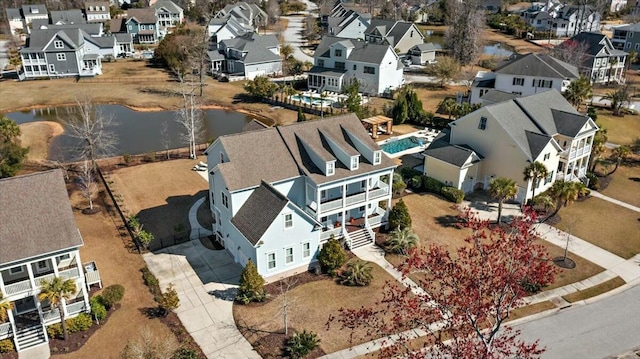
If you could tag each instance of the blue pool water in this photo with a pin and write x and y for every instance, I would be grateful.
(402, 144)
(312, 101)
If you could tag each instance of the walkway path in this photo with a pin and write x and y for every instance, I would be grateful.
(615, 201)
(293, 33)
(197, 231)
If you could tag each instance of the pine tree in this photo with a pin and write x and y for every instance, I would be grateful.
(251, 287)
(399, 216)
(301, 116)
(169, 300)
(332, 256)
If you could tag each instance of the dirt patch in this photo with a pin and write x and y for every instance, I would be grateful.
(76, 340)
(38, 136)
(273, 346)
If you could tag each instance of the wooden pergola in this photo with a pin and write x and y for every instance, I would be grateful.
(373, 123)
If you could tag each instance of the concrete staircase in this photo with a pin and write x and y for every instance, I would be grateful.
(360, 238)
(30, 336)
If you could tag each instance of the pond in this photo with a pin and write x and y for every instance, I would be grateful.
(494, 49)
(137, 132)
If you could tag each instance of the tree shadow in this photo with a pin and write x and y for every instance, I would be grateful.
(228, 294)
(450, 221)
(152, 312)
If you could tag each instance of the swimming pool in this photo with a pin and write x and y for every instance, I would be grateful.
(316, 101)
(402, 144)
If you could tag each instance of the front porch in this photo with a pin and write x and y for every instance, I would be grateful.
(325, 79)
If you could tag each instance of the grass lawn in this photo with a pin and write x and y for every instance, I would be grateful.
(313, 303)
(160, 193)
(603, 224)
(432, 95)
(625, 184)
(583, 270)
(530, 310)
(595, 290)
(621, 130)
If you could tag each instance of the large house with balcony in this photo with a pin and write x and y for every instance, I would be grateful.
(338, 62)
(169, 15)
(62, 52)
(561, 19)
(143, 25)
(502, 139)
(602, 63)
(525, 75)
(248, 14)
(626, 37)
(39, 240)
(277, 200)
(247, 56)
(400, 35)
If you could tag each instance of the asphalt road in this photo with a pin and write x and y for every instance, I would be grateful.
(605, 328)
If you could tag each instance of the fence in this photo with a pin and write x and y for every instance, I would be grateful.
(123, 79)
(177, 238)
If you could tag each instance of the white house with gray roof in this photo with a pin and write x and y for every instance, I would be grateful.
(400, 35)
(500, 140)
(169, 15)
(277, 194)
(227, 28)
(627, 37)
(40, 240)
(351, 25)
(561, 19)
(422, 54)
(249, 56)
(338, 62)
(524, 75)
(245, 13)
(20, 19)
(602, 62)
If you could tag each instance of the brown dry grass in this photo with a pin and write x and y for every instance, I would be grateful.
(313, 303)
(623, 130)
(584, 269)
(160, 193)
(604, 224)
(103, 244)
(431, 95)
(530, 310)
(595, 290)
(37, 136)
(157, 93)
(625, 185)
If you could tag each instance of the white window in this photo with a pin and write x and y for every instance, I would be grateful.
(306, 250)
(518, 81)
(58, 44)
(331, 168)
(354, 163)
(483, 123)
(52, 68)
(43, 264)
(377, 157)
(288, 220)
(61, 57)
(16, 270)
(363, 184)
(271, 261)
(288, 255)
(547, 156)
(225, 200)
(548, 178)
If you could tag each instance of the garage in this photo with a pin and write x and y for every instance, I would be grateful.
(253, 74)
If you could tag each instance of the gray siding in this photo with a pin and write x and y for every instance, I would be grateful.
(67, 67)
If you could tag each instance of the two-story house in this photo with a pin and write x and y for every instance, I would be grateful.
(338, 61)
(67, 17)
(250, 55)
(278, 200)
(142, 24)
(400, 35)
(16, 22)
(626, 37)
(502, 139)
(245, 13)
(20, 19)
(53, 53)
(617, 5)
(39, 240)
(560, 19)
(97, 11)
(226, 28)
(169, 15)
(351, 25)
(602, 62)
(525, 75)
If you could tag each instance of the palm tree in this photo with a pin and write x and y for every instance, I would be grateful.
(502, 189)
(619, 154)
(578, 91)
(619, 98)
(612, 63)
(534, 173)
(597, 148)
(449, 106)
(544, 201)
(56, 291)
(286, 50)
(402, 239)
(5, 307)
(566, 192)
(358, 273)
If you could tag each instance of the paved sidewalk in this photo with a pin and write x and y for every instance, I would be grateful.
(615, 201)
(375, 254)
(196, 229)
(38, 352)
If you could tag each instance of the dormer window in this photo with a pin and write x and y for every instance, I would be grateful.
(337, 52)
(354, 163)
(58, 44)
(331, 168)
(483, 123)
(377, 157)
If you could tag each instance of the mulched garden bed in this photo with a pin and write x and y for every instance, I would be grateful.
(12, 355)
(273, 346)
(76, 340)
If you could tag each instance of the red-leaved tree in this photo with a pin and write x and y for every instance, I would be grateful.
(465, 298)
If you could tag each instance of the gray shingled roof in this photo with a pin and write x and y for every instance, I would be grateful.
(38, 9)
(123, 37)
(362, 51)
(428, 47)
(39, 38)
(96, 6)
(254, 125)
(13, 13)
(594, 42)
(539, 65)
(93, 29)
(539, 108)
(142, 16)
(392, 30)
(568, 124)
(453, 154)
(117, 25)
(169, 5)
(629, 27)
(259, 211)
(68, 17)
(327, 71)
(495, 96)
(256, 47)
(36, 216)
(537, 142)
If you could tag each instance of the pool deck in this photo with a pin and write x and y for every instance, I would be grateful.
(427, 134)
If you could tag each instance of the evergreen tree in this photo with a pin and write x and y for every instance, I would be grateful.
(11, 153)
(399, 216)
(301, 116)
(251, 287)
(169, 300)
(400, 111)
(332, 256)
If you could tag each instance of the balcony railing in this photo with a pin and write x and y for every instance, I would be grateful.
(5, 330)
(76, 308)
(573, 153)
(51, 315)
(336, 232)
(65, 274)
(18, 287)
(353, 199)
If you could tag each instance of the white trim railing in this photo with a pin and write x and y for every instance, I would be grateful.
(76, 308)
(18, 287)
(5, 330)
(51, 315)
(327, 234)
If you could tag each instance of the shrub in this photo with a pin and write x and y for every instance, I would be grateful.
(6, 346)
(169, 300)
(530, 287)
(301, 344)
(357, 274)
(98, 309)
(150, 157)
(398, 185)
(431, 185)
(408, 172)
(185, 353)
(251, 288)
(145, 237)
(112, 295)
(127, 159)
(594, 182)
(452, 194)
(55, 331)
(331, 256)
(150, 280)
(399, 216)
(80, 323)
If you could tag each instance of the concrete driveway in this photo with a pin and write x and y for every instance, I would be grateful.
(206, 282)
(293, 36)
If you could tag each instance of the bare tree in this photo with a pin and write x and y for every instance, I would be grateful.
(572, 52)
(287, 302)
(90, 127)
(273, 11)
(164, 137)
(465, 20)
(150, 345)
(311, 29)
(190, 115)
(88, 185)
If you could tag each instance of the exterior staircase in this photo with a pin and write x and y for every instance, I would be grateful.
(30, 336)
(359, 238)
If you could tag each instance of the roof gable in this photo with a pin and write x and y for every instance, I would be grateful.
(259, 211)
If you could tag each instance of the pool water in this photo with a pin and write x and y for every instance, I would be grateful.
(316, 101)
(402, 144)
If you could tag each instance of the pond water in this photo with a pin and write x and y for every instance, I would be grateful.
(493, 49)
(137, 132)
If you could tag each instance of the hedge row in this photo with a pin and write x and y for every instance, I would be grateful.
(429, 184)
